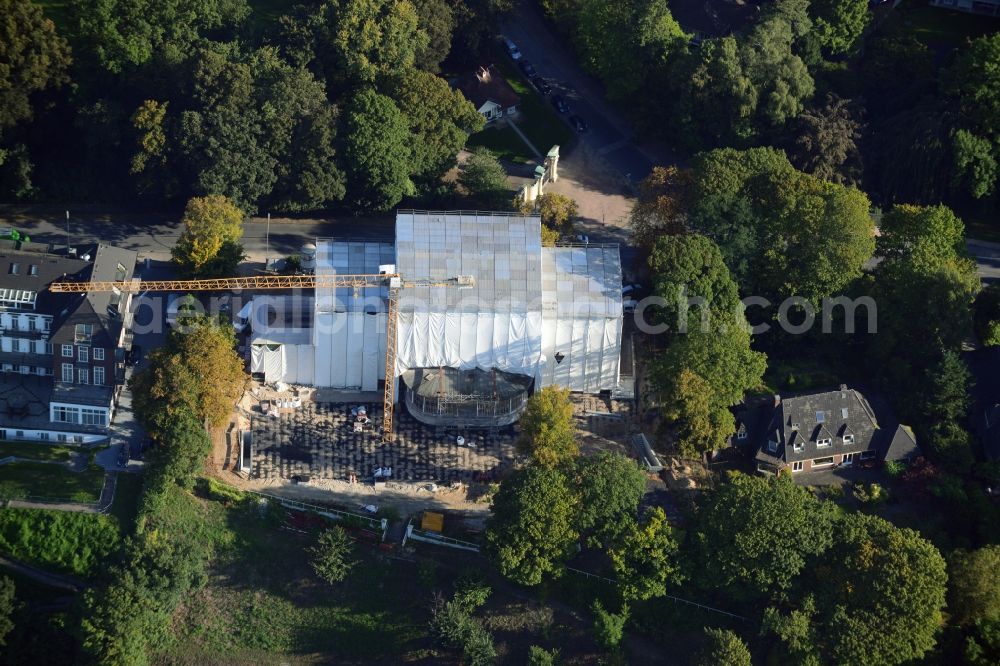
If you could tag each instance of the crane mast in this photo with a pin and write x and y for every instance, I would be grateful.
(392, 281)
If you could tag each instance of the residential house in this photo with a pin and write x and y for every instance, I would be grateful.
(490, 93)
(821, 431)
(61, 355)
(984, 7)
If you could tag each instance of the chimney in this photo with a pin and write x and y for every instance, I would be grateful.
(483, 74)
(843, 387)
(777, 399)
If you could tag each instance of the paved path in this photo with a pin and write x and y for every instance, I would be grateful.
(42, 576)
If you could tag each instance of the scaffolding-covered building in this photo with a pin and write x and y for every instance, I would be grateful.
(536, 316)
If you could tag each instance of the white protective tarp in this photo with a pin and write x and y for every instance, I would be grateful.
(582, 318)
(496, 324)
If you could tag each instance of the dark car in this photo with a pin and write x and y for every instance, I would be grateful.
(134, 356)
(541, 85)
(560, 104)
(527, 68)
(578, 123)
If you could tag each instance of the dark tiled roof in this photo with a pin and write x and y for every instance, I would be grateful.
(902, 446)
(493, 87)
(24, 405)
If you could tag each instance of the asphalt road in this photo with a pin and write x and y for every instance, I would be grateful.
(154, 235)
(987, 256)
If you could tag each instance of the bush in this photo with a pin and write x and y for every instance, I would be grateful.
(609, 628)
(895, 468)
(332, 559)
(874, 494)
(453, 625)
(218, 491)
(471, 591)
(541, 657)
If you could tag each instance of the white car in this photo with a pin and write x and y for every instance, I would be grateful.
(629, 304)
(512, 50)
(242, 318)
(630, 289)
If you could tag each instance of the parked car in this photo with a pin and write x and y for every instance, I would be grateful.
(629, 304)
(512, 50)
(541, 85)
(630, 289)
(578, 123)
(560, 104)
(527, 68)
(134, 356)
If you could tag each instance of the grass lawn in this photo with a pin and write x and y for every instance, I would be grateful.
(35, 451)
(263, 600)
(940, 27)
(51, 482)
(128, 489)
(59, 541)
(502, 142)
(537, 119)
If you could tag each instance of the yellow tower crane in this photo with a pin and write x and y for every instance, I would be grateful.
(393, 281)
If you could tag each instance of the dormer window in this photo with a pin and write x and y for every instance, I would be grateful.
(772, 446)
(14, 269)
(798, 446)
(848, 439)
(83, 332)
(741, 433)
(823, 443)
(33, 270)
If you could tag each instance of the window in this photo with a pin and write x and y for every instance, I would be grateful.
(44, 436)
(92, 416)
(798, 445)
(823, 443)
(83, 376)
(99, 376)
(843, 412)
(67, 351)
(822, 462)
(32, 325)
(19, 434)
(67, 373)
(772, 446)
(41, 371)
(120, 273)
(64, 415)
(48, 348)
(820, 417)
(46, 324)
(84, 354)
(15, 323)
(848, 439)
(867, 455)
(83, 332)
(22, 345)
(62, 437)
(98, 353)
(797, 466)
(14, 269)
(25, 369)
(78, 439)
(33, 270)
(742, 432)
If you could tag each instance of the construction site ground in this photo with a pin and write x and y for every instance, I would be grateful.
(429, 468)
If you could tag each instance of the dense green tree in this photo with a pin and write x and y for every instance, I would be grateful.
(8, 604)
(689, 272)
(755, 535)
(377, 151)
(976, 82)
(912, 156)
(780, 78)
(948, 384)
(723, 648)
(209, 224)
(440, 121)
(714, 100)
(181, 452)
(702, 421)
(453, 625)
(332, 556)
(437, 20)
(484, 179)
(32, 58)
(366, 39)
(976, 167)
(122, 618)
(987, 316)
(197, 371)
(825, 143)
(126, 33)
(623, 42)
(644, 559)
(530, 530)
(973, 586)
(311, 178)
(896, 71)
(782, 232)
(982, 648)
(547, 431)
(839, 23)
(661, 207)
(610, 487)
(557, 210)
(878, 601)
(920, 238)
